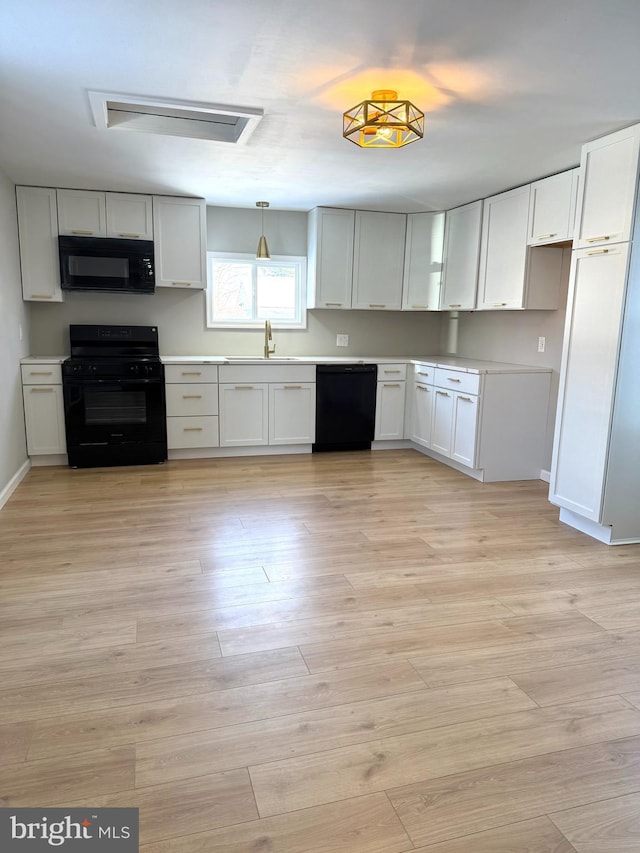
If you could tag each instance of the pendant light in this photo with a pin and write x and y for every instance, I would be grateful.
(383, 121)
(263, 249)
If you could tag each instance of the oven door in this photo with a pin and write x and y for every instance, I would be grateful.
(105, 413)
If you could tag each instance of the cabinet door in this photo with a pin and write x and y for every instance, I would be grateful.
(422, 413)
(606, 196)
(552, 208)
(82, 213)
(423, 262)
(389, 411)
(44, 419)
(38, 238)
(330, 265)
(244, 415)
(378, 260)
(503, 251)
(129, 215)
(179, 226)
(461, 256)
(292, 413)
(442, 421)
(587, 378)
(465, 429)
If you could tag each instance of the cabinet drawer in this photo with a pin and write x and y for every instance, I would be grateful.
(192, 432)
(424, 373)
(456, 380)
(392, 372)
(191, 373)
(41, 374)
(190, 398)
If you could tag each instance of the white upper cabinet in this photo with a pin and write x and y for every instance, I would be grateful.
(461, 254)
(180, 242)
(82, 213)
(608, 187)
(423, 261)
(513, 275)
(378, 260)
(129, 215)
(330, 262)
(552, 208)
(38, 233)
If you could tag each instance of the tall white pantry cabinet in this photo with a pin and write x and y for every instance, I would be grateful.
(595, 474)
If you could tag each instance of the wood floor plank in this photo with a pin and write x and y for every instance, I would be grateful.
(161, 682)
(14, 742)
(386, 763)
(571, 683)
(472, 664)
(305, 733)
(191, 806)
(360, 623)
(159, 719)
(361, 825)
(26, 644)
(612, 826)
(89, 774)
(530, 836)
(466, 803)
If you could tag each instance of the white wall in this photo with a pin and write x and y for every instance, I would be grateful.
(13, 451)
(180, 316)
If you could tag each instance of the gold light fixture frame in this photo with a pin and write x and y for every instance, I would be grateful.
(383, 121)
(262, 251)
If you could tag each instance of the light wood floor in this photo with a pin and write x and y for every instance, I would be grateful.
(346, 653)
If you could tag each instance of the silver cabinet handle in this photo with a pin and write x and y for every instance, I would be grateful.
(468, 399)
(419, 373)
(292, 387)
(41, 373)
(84, 233)
(419, 306)
(181, 284)
(192, 396)
(443, 393)
(377, 305)
(597, 239)
(391, 385)
(41, 296)
(392, 371)
(192, 373)
(192, 429)
(126, 234)
(453, 379)
(333, 303)
(499, 304)
(243, 387)
(36, 390)
(422, 387)
(455, 305)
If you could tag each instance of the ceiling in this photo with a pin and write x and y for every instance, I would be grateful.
(510, 91)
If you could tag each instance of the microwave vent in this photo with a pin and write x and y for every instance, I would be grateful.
(191, 119)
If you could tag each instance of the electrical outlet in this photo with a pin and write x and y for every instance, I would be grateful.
(342, 340)
(541, 343)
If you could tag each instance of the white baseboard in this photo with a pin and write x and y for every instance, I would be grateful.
(14, 482)
(545, 476)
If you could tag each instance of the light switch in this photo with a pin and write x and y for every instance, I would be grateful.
(342, 340)
(541, 343)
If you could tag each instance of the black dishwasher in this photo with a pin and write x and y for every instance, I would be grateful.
(345, 406)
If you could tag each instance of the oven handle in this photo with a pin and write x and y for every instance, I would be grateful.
(78, 382)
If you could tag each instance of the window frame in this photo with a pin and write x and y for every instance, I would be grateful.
(297, 261)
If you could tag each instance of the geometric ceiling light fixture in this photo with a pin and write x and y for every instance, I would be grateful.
(263, 250)
(383, 121)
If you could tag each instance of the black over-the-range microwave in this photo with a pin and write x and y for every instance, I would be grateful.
(106, 264)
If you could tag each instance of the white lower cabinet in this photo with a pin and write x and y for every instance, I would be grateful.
(390, 402)
(267, 404)
(192, 406)
(244, 415)
(292, 413)
(490, 422)
(43, 409)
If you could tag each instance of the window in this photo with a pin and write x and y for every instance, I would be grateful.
(243, 291)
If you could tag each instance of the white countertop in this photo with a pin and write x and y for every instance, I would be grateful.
(468, 365)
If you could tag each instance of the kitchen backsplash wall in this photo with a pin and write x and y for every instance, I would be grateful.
(180, 316)
(13, 317)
